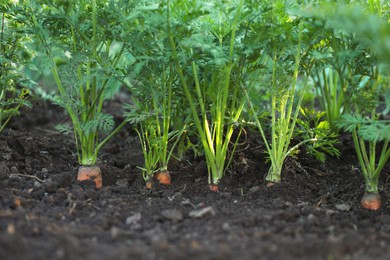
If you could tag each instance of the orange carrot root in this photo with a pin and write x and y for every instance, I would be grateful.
(163, 177)
(149, 185)
(90, 173)
(371, 201)
(213, 187)
(270, 184)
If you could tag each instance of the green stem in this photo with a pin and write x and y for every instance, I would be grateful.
(2, 44)
(105, 140)
(281, 141)
(187, 91)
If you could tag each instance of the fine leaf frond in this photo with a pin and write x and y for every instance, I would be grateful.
(102, 123)
(106, 123)
(9, 113)
(136, 116)
(351, 122)
(375, 132)
(63, 128)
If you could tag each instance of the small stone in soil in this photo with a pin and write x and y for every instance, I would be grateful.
(303, 204)
(7, 156)
(199, 213)
(115, 232)
(14, 176)
(330, 212)
(226, 226)
(253, 189)
(134, 219)
(172, 215)
(312, 219)
(14, 169)
(37, 184)
(156, 235)
(343, 207)
(44, 173)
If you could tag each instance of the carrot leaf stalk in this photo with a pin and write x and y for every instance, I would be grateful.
(211, 88)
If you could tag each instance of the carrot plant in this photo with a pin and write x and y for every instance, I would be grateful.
(150, 145)
(154, 95)
(212, 80)
(84, 44)
(369, 132)
(335, 55)
(151, 115)
(336, 58)
(312, 125)
(330, 92)
(13, 56)
(285, 77)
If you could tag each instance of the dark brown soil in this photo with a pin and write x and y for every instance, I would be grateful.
(45, 214)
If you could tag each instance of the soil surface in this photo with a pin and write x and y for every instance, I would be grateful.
(314, 213)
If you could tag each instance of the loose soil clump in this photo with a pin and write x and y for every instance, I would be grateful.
(45, 213)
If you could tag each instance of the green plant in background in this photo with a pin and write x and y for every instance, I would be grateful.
(362, 25)
(330, 93)
(13, 56)
(369, 133)
(150, 143)
(85, 49)
(338, 56)
(155, 95)
(214, 72)
(341, 58)
(313, 127)
(151, 115)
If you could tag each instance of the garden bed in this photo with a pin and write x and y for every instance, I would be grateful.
(314, 213)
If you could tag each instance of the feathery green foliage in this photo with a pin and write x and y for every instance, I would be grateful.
(155, 96)
(312, 126)
(351, 63)
(150, 114)
(84, 43)
(14, 55)
(207, 33)
(369, 133)
(284, 77)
